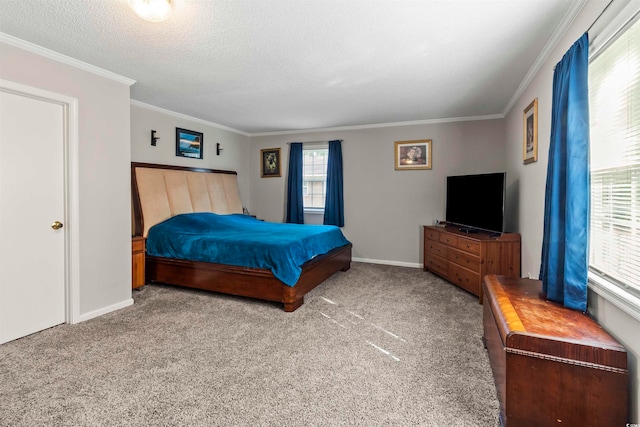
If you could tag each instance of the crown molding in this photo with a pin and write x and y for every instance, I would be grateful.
(301, 131)
(186, 117)
(47, 53)
(384, 125)
(561, 29)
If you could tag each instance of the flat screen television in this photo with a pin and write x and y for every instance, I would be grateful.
(476, 202)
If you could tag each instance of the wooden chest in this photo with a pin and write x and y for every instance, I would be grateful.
(551, 365)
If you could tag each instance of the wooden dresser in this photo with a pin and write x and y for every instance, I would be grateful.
(137, 261)
(551, 365)
(465, 259)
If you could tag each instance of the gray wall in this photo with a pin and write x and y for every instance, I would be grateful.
(384, 208)
(235, 146)
(104, 153)
(526, 185)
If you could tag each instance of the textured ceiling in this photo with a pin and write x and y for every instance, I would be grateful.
(278, 65)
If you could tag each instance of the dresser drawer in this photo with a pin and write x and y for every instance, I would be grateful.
(137, 244)
(435, 248)
(437, 264)
(467, 245)
(137, 261)
(464, 259)
(464, 278)
(430, 234)
(449, 239)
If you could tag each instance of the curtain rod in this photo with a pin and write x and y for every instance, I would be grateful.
(599, 16)
(594, 23)
(315, 142)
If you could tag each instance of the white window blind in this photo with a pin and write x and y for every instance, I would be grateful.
(314, 171)
(614, 98)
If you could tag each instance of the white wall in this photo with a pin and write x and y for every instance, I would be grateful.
(235, 146)
(526, 187)
(384, 208)
(104, 153)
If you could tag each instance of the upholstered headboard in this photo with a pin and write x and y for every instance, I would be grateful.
(160, 192)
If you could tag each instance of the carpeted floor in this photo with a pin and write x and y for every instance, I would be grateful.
(377, 345)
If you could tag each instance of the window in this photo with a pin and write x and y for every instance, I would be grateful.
(314, 181)
(614, 99)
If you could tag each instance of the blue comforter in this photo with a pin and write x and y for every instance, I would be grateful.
(243, 241)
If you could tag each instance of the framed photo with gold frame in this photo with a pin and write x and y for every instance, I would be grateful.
(412, 155)
(530, 133)
(270, 163)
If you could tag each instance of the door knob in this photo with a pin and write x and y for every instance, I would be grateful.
(56, 225)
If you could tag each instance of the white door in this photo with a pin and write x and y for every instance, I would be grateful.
(32, 199)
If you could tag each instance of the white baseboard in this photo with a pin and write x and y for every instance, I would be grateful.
(105, 310)
(385, 262)
(129, 301)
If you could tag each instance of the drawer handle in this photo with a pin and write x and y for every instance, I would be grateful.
(468, 246)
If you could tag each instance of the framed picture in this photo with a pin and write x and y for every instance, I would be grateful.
(530, 133)
(270, 162)
(188, 143)
(412, 155)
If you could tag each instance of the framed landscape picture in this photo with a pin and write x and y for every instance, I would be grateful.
(188, 143)
(413, 154)
(270, 163)
(530, 133)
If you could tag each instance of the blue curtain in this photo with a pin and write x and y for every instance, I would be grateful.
(295, 208)
(334, 201)
(565, 241)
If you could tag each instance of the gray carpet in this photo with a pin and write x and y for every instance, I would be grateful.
(377, 345)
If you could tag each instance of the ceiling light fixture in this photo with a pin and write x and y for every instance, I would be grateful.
(151, 10)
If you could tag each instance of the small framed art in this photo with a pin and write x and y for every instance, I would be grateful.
(413, 154)
(188, 143)
(530, 133)
(270, 163)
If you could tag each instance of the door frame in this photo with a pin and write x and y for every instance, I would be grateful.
(71, 189)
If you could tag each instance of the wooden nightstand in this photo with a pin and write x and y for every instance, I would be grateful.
(137, 261)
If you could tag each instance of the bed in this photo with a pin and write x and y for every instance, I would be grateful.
(161, 192)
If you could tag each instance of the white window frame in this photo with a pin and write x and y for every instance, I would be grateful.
(616, 294)
(314, 146)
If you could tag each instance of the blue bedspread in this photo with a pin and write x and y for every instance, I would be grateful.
(243, 241)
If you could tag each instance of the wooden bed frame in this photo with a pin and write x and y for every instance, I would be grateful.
(228, 279)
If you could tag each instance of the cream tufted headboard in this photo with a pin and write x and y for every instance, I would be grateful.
(160, 192)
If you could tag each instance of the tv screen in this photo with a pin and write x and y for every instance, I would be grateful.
(476, 201)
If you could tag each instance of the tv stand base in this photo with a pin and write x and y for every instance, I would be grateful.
(468, 230)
